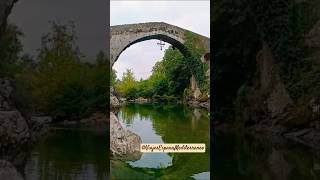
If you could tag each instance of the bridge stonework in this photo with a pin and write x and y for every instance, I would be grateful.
(123, 36)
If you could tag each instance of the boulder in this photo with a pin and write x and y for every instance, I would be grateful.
(13, 129)
(124, 144)
(8, 171)
(6, 91)
(141, 100)
(197, 93)
(114, 102)
(95, 118)
(41, 119)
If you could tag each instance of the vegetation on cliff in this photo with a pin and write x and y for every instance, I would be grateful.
(241, 28)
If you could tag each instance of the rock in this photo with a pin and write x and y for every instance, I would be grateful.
(6, 91)
(8, 171)
(193, 82)
(41, 119)
(66, 122)
(141, 100)
(316, 167)
(5, 9)
(114, 102)
(312, 39)
(13, 129)
(298, 133)
(96, 118)
(124, 144)
(205, 105)
(278, 99)
(279, 165)
(197, 93)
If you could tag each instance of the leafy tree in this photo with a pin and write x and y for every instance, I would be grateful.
(127, 85)
(61, 84)
(170, 77)
(10, 48)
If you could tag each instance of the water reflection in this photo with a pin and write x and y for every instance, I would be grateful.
(69, 154)
(143, 127)
(159, 123)
(238, 156)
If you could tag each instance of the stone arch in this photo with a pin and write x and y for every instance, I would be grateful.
(123, 36)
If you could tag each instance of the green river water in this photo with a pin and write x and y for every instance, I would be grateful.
(158, 123)
(81, 153)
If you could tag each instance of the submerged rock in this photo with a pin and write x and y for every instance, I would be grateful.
(124, 144)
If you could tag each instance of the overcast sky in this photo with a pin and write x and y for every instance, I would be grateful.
(140, 57)
(91, 18)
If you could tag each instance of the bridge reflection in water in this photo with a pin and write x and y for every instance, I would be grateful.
(159, 123)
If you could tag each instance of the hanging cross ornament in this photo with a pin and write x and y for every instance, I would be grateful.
(161, 44)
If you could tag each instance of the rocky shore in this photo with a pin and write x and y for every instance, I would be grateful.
(124, 144)
(17, 133)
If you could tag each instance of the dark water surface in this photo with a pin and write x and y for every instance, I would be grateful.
(159, 123)
(70, 153)
(243, 157)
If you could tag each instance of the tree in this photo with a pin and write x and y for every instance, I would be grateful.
(10, 48)
(62, 85)
(127, 85)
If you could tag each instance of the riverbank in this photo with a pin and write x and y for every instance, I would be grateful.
(195, 103)
(18, 132)
(16, 151)
(124, 144)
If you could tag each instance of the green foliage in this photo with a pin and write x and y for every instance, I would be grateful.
(170, 77)
(283, 26)
(241, 27)
(127, 86)
(61, 84)
(236, 44)
(10, 48)
(193, 60)
(113, 77)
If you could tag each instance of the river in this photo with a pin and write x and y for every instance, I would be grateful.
(165, 123)
(79, 152)
(240, 156)
(70, 153)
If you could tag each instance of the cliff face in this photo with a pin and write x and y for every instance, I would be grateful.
(14, 133)
(124, 144)
(5, 9)
(14, 129)
(268, 106)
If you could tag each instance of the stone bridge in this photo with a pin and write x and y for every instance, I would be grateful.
(123, 36)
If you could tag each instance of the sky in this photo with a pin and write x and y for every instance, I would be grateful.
(140, 57)
(91, 18)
